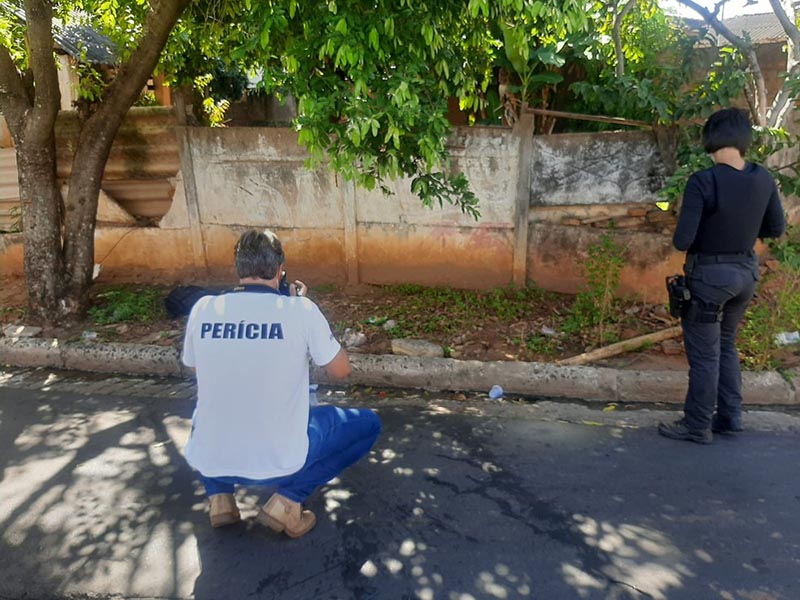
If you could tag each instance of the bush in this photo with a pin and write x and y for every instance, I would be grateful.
(126, 305)
(594, 308)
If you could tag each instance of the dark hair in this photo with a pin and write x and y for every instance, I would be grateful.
(258, 254)
(728, 128)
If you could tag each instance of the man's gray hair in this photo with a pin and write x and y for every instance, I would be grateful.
(258, 254)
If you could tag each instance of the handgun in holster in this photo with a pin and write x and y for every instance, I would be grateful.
(679, 296)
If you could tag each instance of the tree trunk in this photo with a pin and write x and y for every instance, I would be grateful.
(41, 204)
(88, 165)
(617, 35)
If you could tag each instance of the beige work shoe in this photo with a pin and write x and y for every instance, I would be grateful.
(223, 510)
(282, 514)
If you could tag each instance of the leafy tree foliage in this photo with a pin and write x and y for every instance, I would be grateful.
(372, 81)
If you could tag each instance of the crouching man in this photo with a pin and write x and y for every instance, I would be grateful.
(253, 425)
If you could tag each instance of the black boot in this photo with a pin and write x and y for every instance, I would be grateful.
(726, 424)
(680, 431)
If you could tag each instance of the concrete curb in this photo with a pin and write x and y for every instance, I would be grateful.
(540, 379)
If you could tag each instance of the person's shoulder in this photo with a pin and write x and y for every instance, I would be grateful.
(702, 181)
(304, 303)
(202, 302)
(759, 170)
(761, 174)
(703, 175)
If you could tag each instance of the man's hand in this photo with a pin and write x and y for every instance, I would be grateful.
(339, 367)
(298, 288)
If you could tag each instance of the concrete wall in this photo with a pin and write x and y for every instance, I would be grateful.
(537, 220)
(595, 168)
(247, 177)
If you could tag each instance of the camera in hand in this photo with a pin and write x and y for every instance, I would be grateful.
(283, 285)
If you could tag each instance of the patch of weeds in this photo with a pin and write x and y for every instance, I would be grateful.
(13, 313)
(338, 327)
(410, 289)
(755, 344)
(398, 331)
(596, 308)
(431, 312)
(325, 288)
(776, 308)
(544, 345)
(127, 304)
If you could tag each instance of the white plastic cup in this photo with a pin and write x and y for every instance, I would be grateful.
(496, 392)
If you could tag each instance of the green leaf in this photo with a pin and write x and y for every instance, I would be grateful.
(548, 77)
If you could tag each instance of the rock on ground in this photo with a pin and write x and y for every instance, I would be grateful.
(409, 347)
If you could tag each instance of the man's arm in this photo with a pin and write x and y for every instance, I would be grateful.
(339, 367)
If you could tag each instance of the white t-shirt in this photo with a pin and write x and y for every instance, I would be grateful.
(251, 353)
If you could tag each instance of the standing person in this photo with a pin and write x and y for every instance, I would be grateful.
(253, 425)
(725, 209)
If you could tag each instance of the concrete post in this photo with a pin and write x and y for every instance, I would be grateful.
(192, 203)
(350, 232)
(523, 129)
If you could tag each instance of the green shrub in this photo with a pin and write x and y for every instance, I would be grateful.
(777, 307)
(127, 304)
(595, 307)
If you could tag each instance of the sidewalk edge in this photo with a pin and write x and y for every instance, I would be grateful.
(541, 379)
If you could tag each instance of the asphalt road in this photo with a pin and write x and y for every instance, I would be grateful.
(459, 500)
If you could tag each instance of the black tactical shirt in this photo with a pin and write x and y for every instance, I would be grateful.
(724, 210)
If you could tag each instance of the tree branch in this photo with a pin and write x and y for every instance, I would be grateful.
(14, 99)
(788, 26)
(47, 97)
(134, 73)
(745, 48)
(620, 67)
(783, 100)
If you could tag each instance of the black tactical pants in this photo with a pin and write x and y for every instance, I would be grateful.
(721, 292)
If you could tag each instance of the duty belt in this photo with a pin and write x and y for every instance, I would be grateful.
(708, 259)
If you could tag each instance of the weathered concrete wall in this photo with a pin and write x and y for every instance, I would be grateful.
(139, 174)
(233, 178)
(556, 255)
(595, 168)
(401, 240)
(255, 176)
(335, 232)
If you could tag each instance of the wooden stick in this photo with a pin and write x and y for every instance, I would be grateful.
(621, 347)
(583, 117)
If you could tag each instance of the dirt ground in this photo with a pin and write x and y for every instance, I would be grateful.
(520, 329)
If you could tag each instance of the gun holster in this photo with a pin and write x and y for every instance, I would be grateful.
(679, 296)
(702, 312)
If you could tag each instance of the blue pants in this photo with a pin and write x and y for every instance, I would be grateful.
(337, 438)
(715, 379)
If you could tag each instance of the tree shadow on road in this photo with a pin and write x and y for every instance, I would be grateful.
(97, 497)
